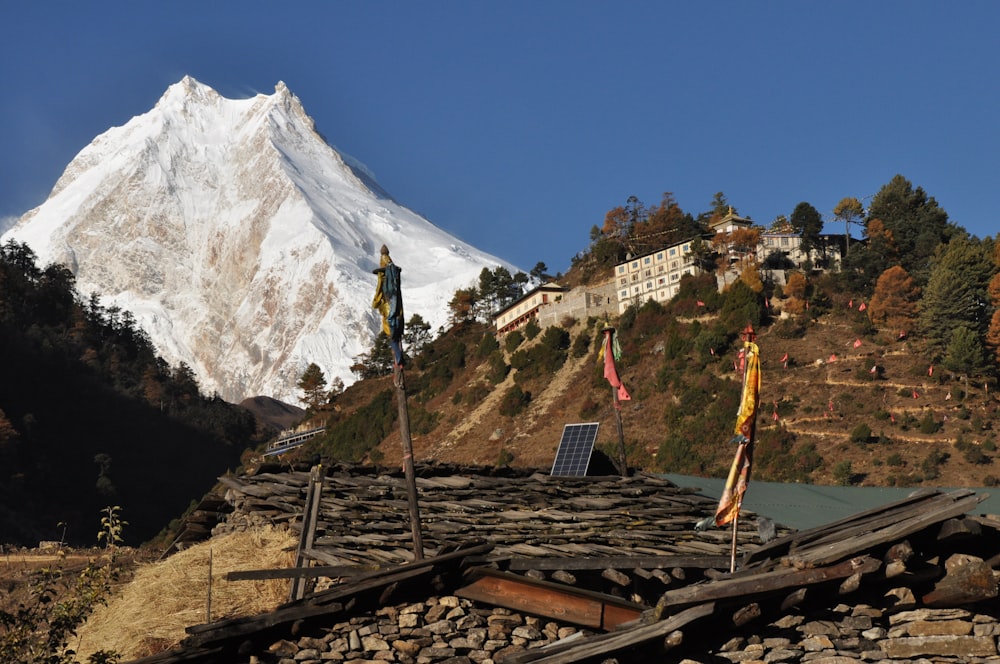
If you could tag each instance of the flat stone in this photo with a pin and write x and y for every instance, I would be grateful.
(939, 627)
(954, 646)
(817, 643)
(373, 643)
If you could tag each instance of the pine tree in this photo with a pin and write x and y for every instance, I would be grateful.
(313, 386)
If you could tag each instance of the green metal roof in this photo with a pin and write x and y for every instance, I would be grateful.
(803, 506)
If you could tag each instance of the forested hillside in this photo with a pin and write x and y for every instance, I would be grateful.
(90, 417)
(879, 371)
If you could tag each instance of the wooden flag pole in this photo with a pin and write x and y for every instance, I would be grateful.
(622, 459)
(386, 301)
(408, 471)
(748, 336)
(732, 553)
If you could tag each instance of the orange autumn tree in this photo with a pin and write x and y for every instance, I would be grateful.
(795, 290)
(895, 300)
(993, 290)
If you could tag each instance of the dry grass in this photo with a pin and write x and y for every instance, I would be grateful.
(149, 614)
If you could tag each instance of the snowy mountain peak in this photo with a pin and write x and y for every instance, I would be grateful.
(242, 242)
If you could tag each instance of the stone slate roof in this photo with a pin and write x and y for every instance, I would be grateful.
(605, 569)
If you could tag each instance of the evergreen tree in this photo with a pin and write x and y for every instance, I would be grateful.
(916, 222)
(806, 221)
(313, 386)
(956, 293)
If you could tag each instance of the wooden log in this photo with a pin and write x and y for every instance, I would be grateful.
(562, 576)
(763, 582)
(547, 599)
(794, 598)
(617, 577)
(746, 614)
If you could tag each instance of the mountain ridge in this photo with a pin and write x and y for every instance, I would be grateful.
(240, 240)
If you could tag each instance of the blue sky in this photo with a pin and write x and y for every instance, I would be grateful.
(517, 125)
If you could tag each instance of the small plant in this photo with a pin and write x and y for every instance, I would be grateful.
(41, 628)
(112, 527)
(861, 434)
(928, 424)
(843, 473)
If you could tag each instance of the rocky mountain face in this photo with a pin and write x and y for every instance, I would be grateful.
(240, 240)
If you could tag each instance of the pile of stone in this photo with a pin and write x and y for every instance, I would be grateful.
(439, 629)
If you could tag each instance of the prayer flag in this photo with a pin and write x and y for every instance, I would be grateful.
(833, 357)
(930, 370)
(850, 305)
(389, 302)
(873, 369)
(862, 306)
(610, 351)
(857, 343)
(700, 303)
(746, 419)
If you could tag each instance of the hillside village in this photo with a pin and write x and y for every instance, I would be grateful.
(843, 402)
(656, 276)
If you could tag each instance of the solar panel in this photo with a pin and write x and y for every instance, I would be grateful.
(573, 455)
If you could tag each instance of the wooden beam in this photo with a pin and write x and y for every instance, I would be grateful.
(552, 600)
(764, 582)
(331, 571)
(619, 562)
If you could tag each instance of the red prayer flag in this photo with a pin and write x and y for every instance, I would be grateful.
(700, 303)
(610, 372)
(833, 358)
(857, 343)
(862, 306)
(873, 369)
(930, 370)
(850, 305)
(915, 395)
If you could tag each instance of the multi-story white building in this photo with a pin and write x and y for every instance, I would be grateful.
(655, 276)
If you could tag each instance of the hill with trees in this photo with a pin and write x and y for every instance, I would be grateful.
(91, 417)
(882, 372)
(879, 371)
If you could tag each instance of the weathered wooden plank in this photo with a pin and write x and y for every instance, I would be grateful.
(542, 598)
(620, 562)
(781, 545)
(850, 545)
(763, 582)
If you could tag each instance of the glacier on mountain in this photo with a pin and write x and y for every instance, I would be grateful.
(240, 240)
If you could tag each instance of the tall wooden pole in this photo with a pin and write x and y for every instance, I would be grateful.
(389, 301)
(411, 482)
(622, 460)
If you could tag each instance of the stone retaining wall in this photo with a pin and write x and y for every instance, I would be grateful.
(451, 630)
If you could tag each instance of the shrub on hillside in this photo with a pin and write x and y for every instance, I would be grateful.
(513, 340)
(928, 424)
(514, 401)
(532, 329)
(789, 328)
(861, 434)
(497, 370)
(581, 345)
(487, 345)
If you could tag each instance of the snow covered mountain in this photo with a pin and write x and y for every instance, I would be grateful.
(241, 241)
